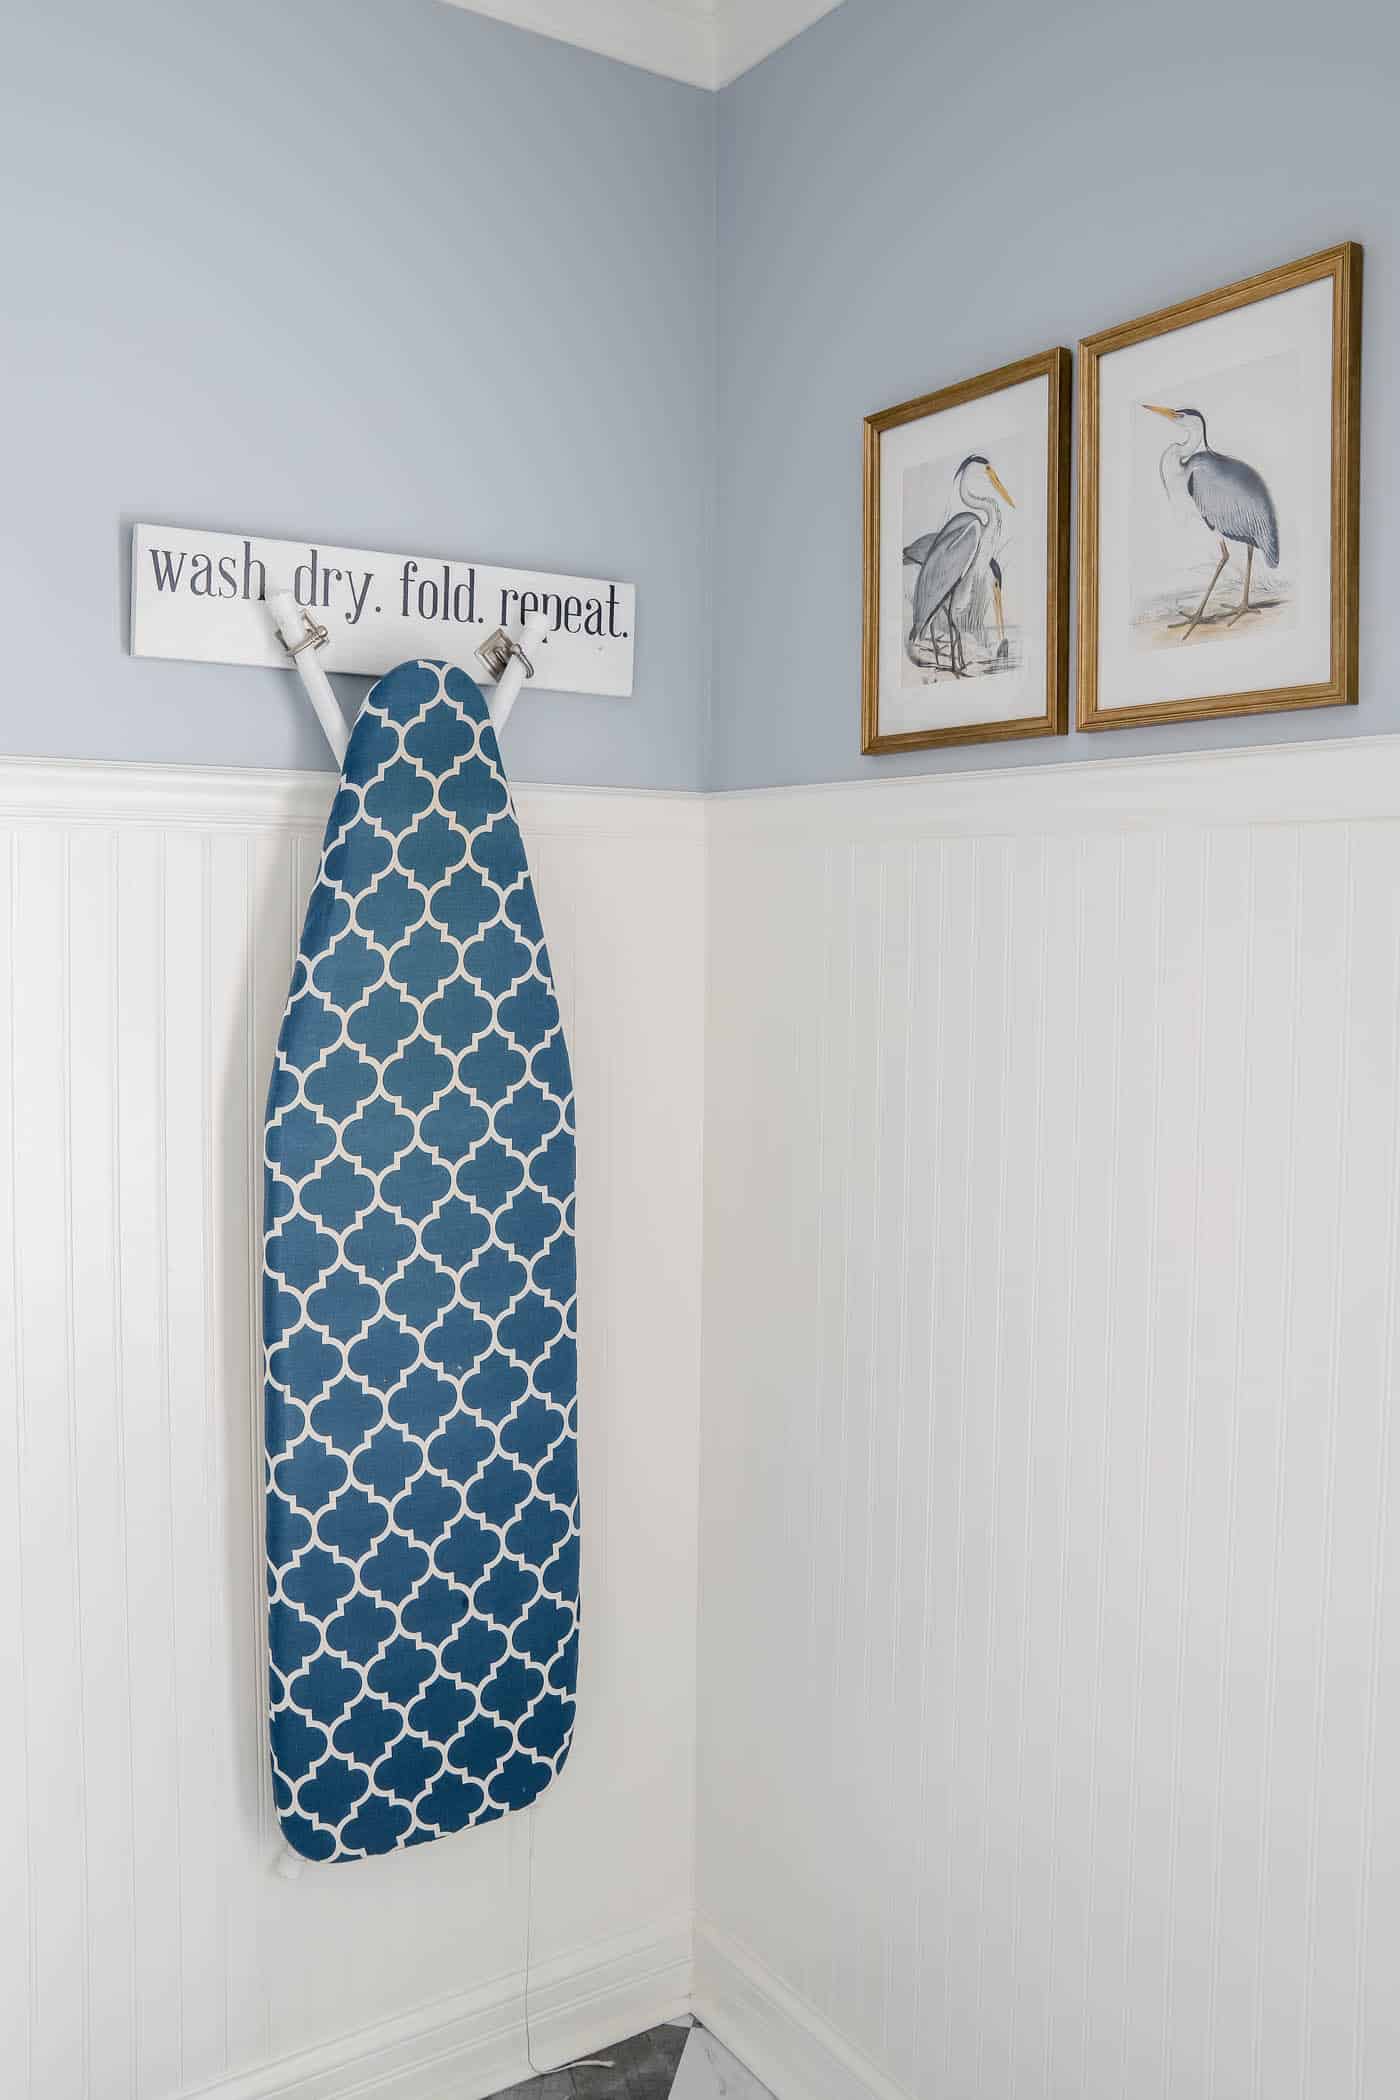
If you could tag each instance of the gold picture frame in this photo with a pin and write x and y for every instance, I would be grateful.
(934, 686)
(1312, 393)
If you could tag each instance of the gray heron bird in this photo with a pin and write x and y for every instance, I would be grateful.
(914, 555)
(1231, 497)
(950, 559)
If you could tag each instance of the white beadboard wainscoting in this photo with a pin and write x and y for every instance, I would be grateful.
(1050, 1629)
(1049, 1666)
(148, 1948)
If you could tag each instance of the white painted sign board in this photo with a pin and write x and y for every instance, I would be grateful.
(198, 596)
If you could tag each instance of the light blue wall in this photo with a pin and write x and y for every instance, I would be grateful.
(914, 192)
(385, 273)
(375, 271)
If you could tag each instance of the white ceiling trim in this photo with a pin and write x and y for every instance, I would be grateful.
(704, 42)
(749, 29)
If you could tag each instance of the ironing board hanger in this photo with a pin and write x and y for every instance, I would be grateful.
(302, 636)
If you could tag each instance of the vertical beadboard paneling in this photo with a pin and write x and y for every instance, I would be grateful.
(58, 1953)
(1049, 1635)
(190, 972)
(148, 1511)
(639, 1050)
(1047, 1694)
(16, 1917)
(92, 945)
(149, 1947)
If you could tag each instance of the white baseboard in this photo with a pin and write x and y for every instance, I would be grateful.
(780, 2038)
(472, 2045)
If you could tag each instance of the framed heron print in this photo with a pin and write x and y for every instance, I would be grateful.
(967, 561)
(1219, 479)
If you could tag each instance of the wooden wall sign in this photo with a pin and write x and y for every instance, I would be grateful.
(198, 596)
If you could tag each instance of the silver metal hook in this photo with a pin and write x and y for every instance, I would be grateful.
(498, 649)
(315, 637)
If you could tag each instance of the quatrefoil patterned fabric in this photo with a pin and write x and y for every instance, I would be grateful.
(419, 1306)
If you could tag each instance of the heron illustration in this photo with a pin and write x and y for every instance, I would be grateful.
(951, 561)
(915, 553)
(1231, 497)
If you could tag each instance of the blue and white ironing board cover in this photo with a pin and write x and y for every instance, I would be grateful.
(419, 1306)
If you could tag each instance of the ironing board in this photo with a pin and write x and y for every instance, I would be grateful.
(419, 1306)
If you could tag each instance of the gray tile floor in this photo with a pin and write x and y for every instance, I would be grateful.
(641, 2068)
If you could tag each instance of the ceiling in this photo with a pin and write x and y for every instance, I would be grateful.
(705, 42)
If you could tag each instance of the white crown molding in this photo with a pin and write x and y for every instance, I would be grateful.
(749, 30)
(677, 39)
(706, 43)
